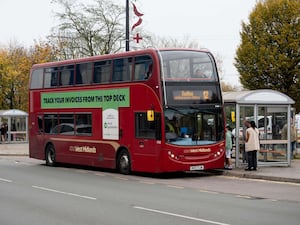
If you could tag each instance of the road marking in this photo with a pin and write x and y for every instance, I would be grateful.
(5, 180)
(81, 171)
(180, 216)
(209, 192)
(99, 174)
(64, 193)
(244, 196)
(121, 178)
(146, 182)
(260, 180)
(174, 186)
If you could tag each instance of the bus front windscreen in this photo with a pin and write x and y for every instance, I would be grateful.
(191, 126)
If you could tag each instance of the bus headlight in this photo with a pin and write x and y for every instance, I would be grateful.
(171, 154)
(218, 153)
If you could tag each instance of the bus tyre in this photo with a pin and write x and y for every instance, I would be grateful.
(50, 155)
(123, 162)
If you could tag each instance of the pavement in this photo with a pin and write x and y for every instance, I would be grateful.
(273, 173)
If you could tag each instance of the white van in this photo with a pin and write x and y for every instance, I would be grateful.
(261, 127)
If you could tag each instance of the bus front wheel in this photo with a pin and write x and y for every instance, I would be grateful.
(50, 155)
(123, 162)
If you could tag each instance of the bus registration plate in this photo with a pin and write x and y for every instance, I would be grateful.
(199, 167)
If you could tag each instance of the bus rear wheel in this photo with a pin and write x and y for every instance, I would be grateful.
(50, 155)
(123, 162)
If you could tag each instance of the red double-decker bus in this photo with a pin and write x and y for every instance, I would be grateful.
(148, 110)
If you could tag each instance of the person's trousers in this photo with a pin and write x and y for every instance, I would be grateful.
(252, 159)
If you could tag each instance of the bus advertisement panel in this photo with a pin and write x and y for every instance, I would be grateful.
(147, 110)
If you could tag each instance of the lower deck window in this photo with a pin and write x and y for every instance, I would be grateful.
(66, 124)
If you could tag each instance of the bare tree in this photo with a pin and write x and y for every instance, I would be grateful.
(169, 42)
(88, 29)
(97, 29)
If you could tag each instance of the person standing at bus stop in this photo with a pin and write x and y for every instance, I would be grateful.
(293, 137)
(3, 132)
(228, 164)
(252, 145)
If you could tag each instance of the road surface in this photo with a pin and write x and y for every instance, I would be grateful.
(31, 193)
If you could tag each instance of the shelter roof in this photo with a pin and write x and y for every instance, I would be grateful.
(260, 96)
(12, 112)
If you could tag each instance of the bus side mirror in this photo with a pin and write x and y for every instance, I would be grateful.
(150, 115)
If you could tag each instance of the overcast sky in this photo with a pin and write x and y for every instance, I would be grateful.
(214, 24)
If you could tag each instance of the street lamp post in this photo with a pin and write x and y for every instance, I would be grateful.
(127, 26)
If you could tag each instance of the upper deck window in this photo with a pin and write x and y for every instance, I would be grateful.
(84, 73)
(37, 79)
(102, 71)
(122, 69)
(51, 77)
(188, 65)
(142, 67)
(126, 69)
(66, 75)
(59, 76)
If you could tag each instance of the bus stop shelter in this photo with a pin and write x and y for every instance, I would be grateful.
(16, 123)
(272, 112)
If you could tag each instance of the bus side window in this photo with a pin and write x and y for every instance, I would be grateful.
(40, 123)
(84, 73)
(139, 72)
(51, 77)
(67, 75)
(36, 79)
(149, 70)
(54, 77)
(83, 123)
(66, 124)
(102, 71)
(47, 78)
(122, 69)
(142, 67)
(118, 69)
(50, 122)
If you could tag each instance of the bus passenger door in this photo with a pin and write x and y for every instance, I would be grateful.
(37, 135)
(147, 140)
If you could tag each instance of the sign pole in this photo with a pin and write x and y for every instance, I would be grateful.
(127, 26)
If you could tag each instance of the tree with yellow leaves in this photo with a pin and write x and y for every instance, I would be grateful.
(15, 64)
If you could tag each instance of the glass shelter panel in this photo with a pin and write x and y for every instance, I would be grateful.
(272, 125)
(230, 110)
(246, 114)
(18, 128)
